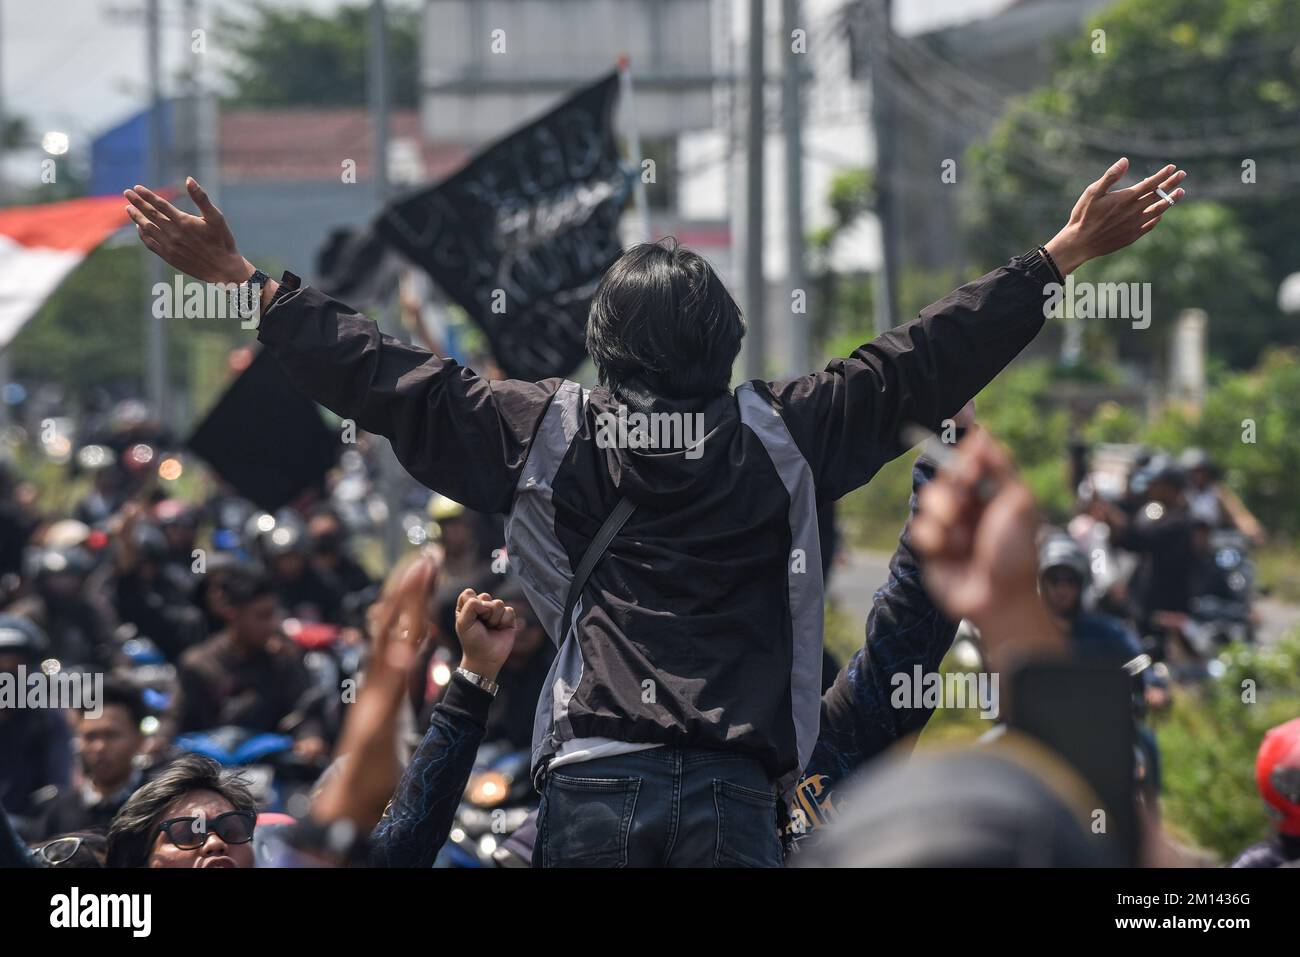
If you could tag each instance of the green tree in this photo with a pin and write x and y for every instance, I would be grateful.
(293, 56)
(91, 333)
(1212, 85)
(1183, 260)
(1209, 740)
(1248, 424)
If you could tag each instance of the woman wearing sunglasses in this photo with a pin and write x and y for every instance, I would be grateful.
(193, 814)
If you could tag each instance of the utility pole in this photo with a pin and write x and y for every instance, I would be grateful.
(206, 168)
(884, 123)
(156, 356)
(188, 138)
(756, 347)
(6, 369)
(792, 123)
(392, 475)
(377, 77)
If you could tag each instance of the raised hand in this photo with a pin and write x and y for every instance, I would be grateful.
(371, 770)
(486, 627)
(975, 529)
(1104, 220)
(199, 246)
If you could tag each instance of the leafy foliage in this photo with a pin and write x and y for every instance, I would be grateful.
(1209, 740)
(294, 56)
(1209, 84)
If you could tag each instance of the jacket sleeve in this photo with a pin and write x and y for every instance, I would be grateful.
(417, 821)
(455, 432)
(858, 721)
(846, 419)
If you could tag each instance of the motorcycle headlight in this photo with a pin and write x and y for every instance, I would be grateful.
(488, 788)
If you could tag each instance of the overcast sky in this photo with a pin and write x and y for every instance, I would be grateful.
(78, 66)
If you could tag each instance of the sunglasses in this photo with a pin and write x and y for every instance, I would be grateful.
(233, 827)
(59, 851)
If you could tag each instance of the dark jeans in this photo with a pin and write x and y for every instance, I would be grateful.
(668, 807)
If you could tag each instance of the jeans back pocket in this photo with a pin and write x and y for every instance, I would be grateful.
(747, 829)
(585, 821)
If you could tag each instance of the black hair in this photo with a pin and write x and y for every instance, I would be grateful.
(661, 314)
(243, 585)
(134, 828)
(120, 692)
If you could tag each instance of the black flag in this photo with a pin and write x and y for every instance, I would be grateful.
(521, 235)
(265, 438)
(357, 267)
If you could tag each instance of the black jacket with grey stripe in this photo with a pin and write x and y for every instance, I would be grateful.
(702, 624)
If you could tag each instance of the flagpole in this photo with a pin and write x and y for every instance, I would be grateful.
(6, 368)
(634, 145)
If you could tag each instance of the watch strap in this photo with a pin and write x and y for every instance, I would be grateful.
(478, 681)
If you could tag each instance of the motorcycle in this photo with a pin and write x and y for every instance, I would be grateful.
(1219, 611)
(498, 799)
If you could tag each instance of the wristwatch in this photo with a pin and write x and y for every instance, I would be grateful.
(247, 296)
(478, 681)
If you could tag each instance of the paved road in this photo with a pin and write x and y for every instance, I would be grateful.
(858, 574)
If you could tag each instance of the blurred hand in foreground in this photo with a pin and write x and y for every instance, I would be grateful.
(372, 768)
(976, 531)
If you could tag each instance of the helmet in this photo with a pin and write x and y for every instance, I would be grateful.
(1193, 459)
(151, 543)
(66, 533)
(40, 563)
(441, 508)
(1277, 774)
(1162, 468)
(22, 636)
(1061, 551)
(273, 535)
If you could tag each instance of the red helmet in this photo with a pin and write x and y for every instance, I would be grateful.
(1277, 772)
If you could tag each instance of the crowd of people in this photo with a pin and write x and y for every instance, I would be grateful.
(644, 630)
(211, 623)
(123, 783)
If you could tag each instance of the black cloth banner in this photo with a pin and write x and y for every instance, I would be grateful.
(357, 267)
(265, 438)
(520, 236)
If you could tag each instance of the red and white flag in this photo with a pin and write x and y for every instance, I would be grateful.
(40, 245)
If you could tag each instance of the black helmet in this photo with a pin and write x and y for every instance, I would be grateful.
(42, 563)
(1160, 468)
(274, 535)
(1197, 460)
(151, 543)
(1061, 551)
